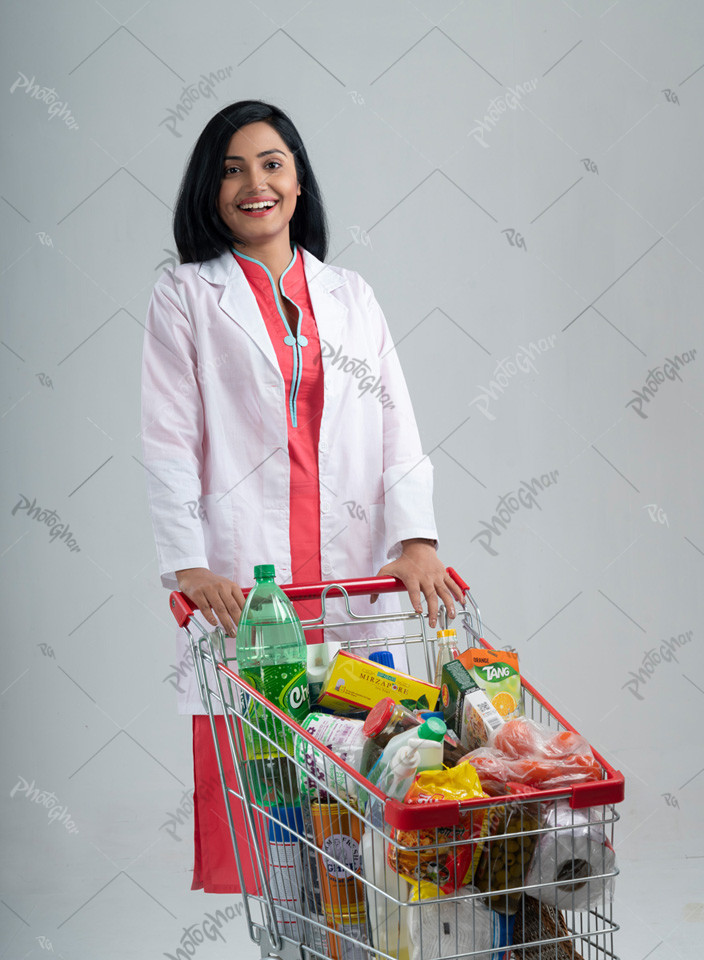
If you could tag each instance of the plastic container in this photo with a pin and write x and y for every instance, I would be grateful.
(271, 657)
(447, 650)
(318, 661)
(387, 720)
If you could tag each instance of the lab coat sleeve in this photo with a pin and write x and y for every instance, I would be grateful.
(172, 432)
(408, 474)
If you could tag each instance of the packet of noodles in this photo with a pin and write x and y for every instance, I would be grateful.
(496, 673)
(441, 855)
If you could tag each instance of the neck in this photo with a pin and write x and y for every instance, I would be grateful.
(275, 255)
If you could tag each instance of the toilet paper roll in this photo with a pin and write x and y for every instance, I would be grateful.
(574, 850)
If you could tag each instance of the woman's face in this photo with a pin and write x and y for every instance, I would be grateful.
(258, 167)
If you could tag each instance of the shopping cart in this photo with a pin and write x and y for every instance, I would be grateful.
(342, 872)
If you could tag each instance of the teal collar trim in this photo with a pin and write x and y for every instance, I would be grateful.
(295, 342)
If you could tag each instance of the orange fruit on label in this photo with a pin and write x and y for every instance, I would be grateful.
(504, 703)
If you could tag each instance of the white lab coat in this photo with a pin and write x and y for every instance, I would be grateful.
(214, 435)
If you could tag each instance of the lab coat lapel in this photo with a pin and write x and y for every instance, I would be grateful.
(329, 312)
(239, 303)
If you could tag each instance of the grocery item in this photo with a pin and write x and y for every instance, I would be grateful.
(440, 928)
(444, 856)
(337, 833)
(401, 772)
(448, 650)
(286, 869)
(542, 925)
(427, 739)
(506, 854)
(466, 707)
(318, 661)
(273, 781)
(383, 657)
(345, 737)
(497, 673)
(386, 890)
(525, 752)
(387, 719)
(574, 850)
(352, 683)
(271, 657)
(351, 921)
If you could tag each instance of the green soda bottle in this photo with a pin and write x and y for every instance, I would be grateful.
(271, 657)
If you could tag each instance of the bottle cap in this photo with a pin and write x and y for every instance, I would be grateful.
(378, 717)
(383, 657)
(264, 571)
(426, 714)
(432, 729)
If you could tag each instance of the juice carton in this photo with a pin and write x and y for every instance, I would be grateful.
(353, 683)
(496, 672)
(466, 707)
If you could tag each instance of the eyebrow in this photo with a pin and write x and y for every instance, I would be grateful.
(264, 153)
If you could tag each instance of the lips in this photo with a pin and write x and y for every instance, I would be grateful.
(269, 204)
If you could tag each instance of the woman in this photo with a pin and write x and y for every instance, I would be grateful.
(260, 444)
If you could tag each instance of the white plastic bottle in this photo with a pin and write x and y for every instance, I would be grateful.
(386, 918)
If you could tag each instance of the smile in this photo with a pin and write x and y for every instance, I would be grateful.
(257, 205)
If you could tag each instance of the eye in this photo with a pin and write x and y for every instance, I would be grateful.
(227, 170)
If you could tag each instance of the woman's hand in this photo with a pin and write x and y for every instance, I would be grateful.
(421, 570)
(213, 595)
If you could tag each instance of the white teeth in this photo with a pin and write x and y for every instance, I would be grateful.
(258, 206)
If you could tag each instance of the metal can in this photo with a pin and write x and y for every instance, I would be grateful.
(353, 923)
(338, 836)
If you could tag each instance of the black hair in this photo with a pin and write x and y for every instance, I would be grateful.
(199, 230)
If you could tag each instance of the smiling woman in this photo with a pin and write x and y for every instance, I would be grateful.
(274, 444)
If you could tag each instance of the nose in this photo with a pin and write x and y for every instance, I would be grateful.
(256, 179)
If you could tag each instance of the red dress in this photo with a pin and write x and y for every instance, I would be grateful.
(299, 361)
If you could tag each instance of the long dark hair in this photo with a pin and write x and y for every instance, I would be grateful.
(199, 231)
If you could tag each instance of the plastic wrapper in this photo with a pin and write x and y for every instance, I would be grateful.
(448, 928)
(575, 849)
(441, 855)
(523, 751)
(506, 854)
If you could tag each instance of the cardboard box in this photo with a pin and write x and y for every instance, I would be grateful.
(353, 683)
(466, 707)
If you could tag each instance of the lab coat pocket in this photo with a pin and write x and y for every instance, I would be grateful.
(215, 512)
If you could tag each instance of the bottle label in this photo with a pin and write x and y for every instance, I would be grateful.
(286, 686)
(346, 850)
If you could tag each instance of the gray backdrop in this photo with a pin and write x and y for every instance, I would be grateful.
(521, 185)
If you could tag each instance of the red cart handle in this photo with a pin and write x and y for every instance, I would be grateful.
(182, 607)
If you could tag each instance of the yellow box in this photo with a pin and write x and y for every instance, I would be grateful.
(353, 683)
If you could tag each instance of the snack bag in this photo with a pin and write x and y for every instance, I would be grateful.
(497, 673)
(441, 855)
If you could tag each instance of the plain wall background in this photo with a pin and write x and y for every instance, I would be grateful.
(572, 232)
